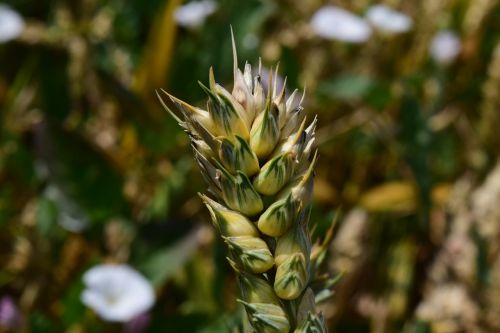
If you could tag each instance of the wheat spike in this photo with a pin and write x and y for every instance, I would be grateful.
(256, 154)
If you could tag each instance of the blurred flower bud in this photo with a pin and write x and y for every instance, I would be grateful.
(228, 222)
(333, 22)
(194, 14)
(11, 24)
(388, 20)
(251, 253)
(445, 47)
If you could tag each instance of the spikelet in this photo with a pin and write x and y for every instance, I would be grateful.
(251, 253)
(256, 153)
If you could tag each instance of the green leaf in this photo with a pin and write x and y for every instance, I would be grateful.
(73, 309)
(347, 87)
(162, 264)
(39, 323)
(46, 216)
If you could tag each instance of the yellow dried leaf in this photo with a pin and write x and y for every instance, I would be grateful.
(397, 196)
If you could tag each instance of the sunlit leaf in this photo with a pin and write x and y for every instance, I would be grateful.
(390, 197)
(164, 262)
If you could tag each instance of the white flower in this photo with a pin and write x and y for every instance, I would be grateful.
(117, 292)
(336, 23)
(11, 23)
(445, 46)
(388, 20)
(193, 14)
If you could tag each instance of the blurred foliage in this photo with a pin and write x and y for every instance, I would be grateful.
(93, 170)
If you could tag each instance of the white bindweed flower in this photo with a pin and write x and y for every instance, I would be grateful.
(336, 23)
(388, 20)
(194, 14)
(117, 292)
(445, 47)
(11, 23)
